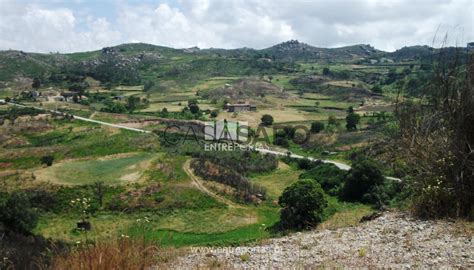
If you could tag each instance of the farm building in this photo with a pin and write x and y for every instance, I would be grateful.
(240, 107)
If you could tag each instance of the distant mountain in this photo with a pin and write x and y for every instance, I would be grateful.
(412, 52)
(165, 61)
(295, 50)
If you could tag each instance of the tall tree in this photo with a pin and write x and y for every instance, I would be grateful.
(36, 83)
(352, 120)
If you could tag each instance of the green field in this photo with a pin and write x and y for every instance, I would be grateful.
(110, 170)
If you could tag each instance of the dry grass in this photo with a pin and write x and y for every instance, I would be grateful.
(461, 227)
(123, 253)
(344, 219)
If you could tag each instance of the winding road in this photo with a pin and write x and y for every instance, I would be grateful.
(340, 165)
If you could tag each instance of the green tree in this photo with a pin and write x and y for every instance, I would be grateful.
(132, 103)
(326, 71)
(16, 213)
(352, 120)
(193, 108)
(267, 120)
(328, 175)
(148, 86)
(47, 160)
(302, 205)
(332, 121)
(78, 88)
(281, 141)
(317, 127)
(377, 89)
(36, 83)
(362, 181)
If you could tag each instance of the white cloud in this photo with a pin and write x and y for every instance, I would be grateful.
(387, 25)
(34, 28)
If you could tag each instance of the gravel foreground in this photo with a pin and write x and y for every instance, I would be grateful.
(393, 240)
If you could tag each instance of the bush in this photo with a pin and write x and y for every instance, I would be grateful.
(281, 141)
(326, 71)
(267, 120)
(290, 132)
(47, 160)
(306, 164)
(437, 139)
(114, 107)
(16, 213)
(363, 182)
(329, 176)
(246, 190)
(377, 89)
(303, 204)
(352, 120)
(332, 121)
(317, 127)
(193, 108)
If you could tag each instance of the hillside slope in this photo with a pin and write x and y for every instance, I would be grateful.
(170, 62)
(392, 241)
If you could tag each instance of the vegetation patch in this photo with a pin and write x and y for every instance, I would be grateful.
(111, 170)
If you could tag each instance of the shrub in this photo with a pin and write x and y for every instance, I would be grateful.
(326, 71)
(243, 162)
(267, 120)
(114, 107)
(36, 83)
(332, 121)
(290, 132)
(363, 181)
(302, 205)
(42, 199)
(317, 127)
(329, 176)
(281, 141)
(47, 160)
(437, 139)
(148, 86)
(193, 108)
(246, 190)
(16, 213)
(352, 120)
(306, 164)
(164, 112)
(377, 89)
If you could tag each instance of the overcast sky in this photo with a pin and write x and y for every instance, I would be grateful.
(71, 26)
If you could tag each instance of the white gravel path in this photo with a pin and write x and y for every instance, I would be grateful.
(391, 241)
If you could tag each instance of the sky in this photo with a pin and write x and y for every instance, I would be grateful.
(83, 25)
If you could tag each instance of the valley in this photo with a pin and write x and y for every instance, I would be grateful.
(118, 130)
